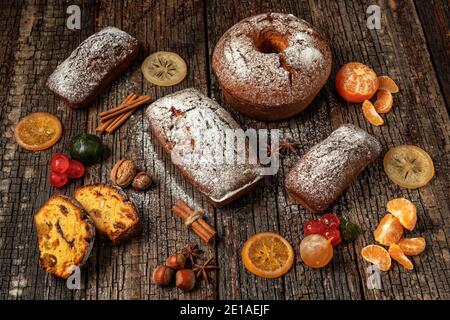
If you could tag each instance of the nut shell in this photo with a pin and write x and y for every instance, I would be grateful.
(176, 261)
(142, 181)
(185, 279)
(162, 276)
(123, 172)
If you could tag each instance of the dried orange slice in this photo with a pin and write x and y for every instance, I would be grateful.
(408, 166)
(384, 101)
(164, 68)
(397, 254)
(412, 246)
(386, 83)
(267, 255)
(38, 131)
(371, 114)
(389, 230)
(378, 256)
(405, 211)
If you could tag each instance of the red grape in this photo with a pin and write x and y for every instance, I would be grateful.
(58, 180)
(331, 220)
(314, 227)
(59, 163)
(76, 169)
(333, 235)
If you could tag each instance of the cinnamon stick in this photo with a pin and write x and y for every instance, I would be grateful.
(183, 205)
(205, 236)
(199, 226)
(104, 125)
(130, 97)
(126, 107)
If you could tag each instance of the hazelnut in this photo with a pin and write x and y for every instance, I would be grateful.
(162, 276)
(176, 261)
(142, 181)
(185, 279)
(123, 173)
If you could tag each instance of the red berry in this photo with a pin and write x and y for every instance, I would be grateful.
(76, 169)
(331, 220)
(59, 163)
(58, 180)
(334, 235)
(314, 227)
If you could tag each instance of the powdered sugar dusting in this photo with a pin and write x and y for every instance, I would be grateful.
(182, 120)
(272, 78)
(325, 171)
(82, 72)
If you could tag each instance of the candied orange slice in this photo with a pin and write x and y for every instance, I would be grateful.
(38, 131)
(389, 230)
(267, 255)
(371, 114)
(384, 101)
(412, 246)
(397, 254)
(386, 83)
(408, 166)
(378, 256)
(405, 211)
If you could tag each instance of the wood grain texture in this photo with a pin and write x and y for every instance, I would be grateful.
(34, 39)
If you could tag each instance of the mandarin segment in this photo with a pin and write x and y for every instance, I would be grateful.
(371, 114)
(389, 230)
(384, 101)
(397, 254)
(405, 211)
(378, 256)
(386, 83)
(267, 255)
(412, 246)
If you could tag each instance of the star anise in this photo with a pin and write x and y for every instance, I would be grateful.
(191, 253)
(201, 270)
(287, 146)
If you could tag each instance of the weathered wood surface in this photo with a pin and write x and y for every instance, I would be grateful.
(412, 47)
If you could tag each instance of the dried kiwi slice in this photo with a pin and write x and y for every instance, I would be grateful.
(408, 166)
(164, 68)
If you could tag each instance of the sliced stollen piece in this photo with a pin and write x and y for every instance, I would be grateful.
(193, 128)
(65, 235)
(328, 168)
(115, 217)
(92, 66)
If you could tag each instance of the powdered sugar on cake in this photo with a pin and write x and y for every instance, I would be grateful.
(296, 69)
(192, 127)
(322, 173)
(77, 76)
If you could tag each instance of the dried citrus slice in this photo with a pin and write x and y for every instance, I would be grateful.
(164, 68)
(408, 166)
(371, 114)
(397, 254)
(389, 230)
(412, 246)
(267, 255)
(38, 131)
(384, 101)
(405, 211)
(378, 256)
(386, 83)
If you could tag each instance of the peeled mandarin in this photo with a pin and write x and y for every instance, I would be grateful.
(389, 230)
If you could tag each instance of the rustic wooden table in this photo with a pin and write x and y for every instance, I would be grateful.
(412, 47)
